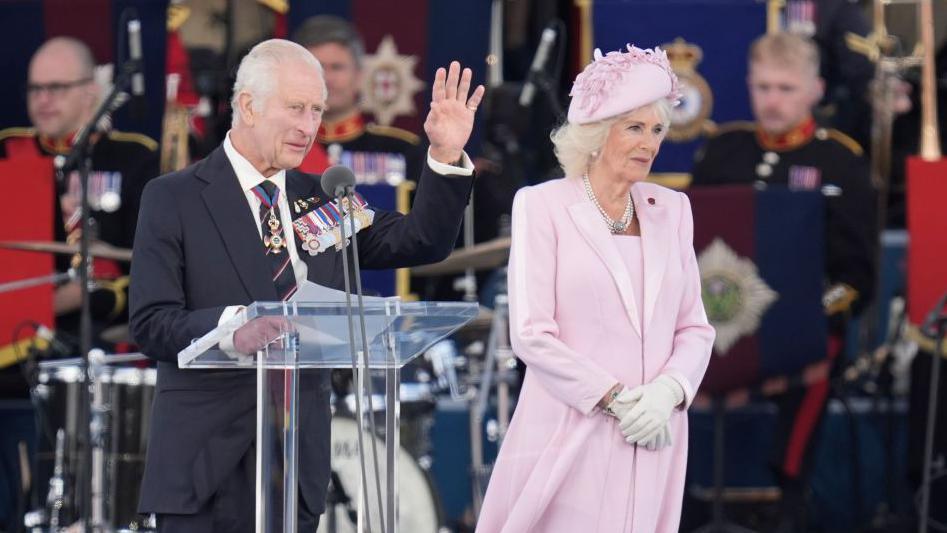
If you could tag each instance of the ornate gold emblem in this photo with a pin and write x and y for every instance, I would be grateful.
(689, 118)
(389, 84)
(735, 297)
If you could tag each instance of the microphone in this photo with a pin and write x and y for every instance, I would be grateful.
(336, 180)
(134, 52)
(539, 63)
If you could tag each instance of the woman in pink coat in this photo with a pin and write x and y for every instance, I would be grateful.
(605, 309)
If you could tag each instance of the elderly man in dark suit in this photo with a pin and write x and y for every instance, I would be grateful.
(209, 241)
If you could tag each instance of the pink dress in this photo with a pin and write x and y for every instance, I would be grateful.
(585, 314)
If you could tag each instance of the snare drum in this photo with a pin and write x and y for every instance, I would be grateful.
(127, 393)
(418, 511)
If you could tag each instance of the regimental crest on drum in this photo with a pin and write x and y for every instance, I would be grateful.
(689, 119)
(735, 296)
(389, 84)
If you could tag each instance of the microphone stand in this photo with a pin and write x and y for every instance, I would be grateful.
(347, 194)
(937, 324)
(81, 157)
(545, 84)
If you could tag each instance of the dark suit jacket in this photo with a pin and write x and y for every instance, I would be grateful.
(197, 251)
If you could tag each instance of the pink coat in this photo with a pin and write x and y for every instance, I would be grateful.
(564, 466)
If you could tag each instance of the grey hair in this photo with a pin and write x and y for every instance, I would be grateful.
(576, 145)
(255, 73)
(325, 29)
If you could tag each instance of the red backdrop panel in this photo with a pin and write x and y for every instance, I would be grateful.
(31, 180)
(927, 226)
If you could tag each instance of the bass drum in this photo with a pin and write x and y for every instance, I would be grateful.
(418, 509)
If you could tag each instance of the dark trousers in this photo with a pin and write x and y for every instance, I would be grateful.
(232, 509)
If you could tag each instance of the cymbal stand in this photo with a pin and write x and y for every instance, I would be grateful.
(98, 432)
(496, 367)
(468, 283)
(506, 364)
(80, 158)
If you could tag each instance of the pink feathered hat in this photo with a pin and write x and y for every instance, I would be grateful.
(621, 81)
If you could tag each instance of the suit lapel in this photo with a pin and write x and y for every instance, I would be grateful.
(591, 226)
(237, 227)
(655, 240)
(303, 193)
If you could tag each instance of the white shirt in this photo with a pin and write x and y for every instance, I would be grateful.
(249, 177)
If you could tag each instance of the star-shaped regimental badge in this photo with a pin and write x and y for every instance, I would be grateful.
(735, 297)
(389, 84)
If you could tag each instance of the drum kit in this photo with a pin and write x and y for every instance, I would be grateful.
(122, 392)
(474, 367)
(123, 387)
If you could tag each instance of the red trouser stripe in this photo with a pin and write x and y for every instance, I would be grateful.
(808, 416)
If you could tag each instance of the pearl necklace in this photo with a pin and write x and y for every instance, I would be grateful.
(615, 226)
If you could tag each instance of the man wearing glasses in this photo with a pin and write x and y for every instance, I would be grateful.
(61, 97)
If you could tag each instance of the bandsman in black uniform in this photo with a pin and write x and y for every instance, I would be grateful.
(377, 154)
(61, 98)
(785, 147)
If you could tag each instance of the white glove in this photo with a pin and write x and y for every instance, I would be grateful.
(622, 403)
(656, 401)
(660, 441)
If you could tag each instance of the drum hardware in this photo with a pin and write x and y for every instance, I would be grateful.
(444, 361)
(935, 326)
(116, 334)
(483, 256)
(496, 368)
(54, 279)
(418, 508)
(98, 249)
(97, 432)
(55, 495)
(121, 397)
(337, 497)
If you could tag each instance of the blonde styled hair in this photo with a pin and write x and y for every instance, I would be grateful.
(576, 145)
(785, 50)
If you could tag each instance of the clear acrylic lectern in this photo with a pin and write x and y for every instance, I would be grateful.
(301, 337)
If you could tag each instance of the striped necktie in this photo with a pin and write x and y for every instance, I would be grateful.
(274, 239)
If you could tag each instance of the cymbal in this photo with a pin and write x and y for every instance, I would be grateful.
(98, 249)
(116, 334)
(483, 320)
(483, 256)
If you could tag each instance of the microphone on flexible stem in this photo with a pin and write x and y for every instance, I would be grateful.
(134, 52)
(336, 180)
(546, 41)
(339, 182)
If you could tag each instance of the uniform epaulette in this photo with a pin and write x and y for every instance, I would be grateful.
(139, 138)
(6, 133)
(391, 131)
(845, 141)
(736, 125)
